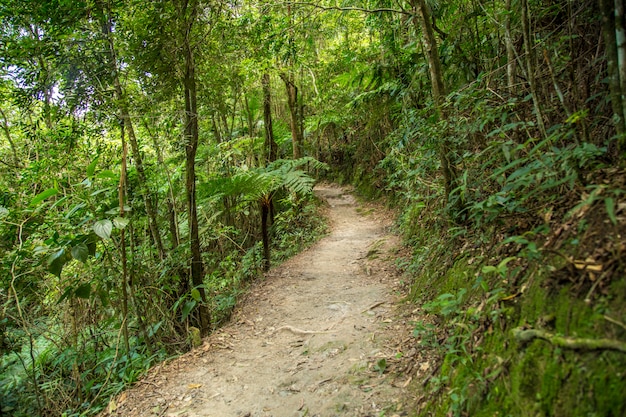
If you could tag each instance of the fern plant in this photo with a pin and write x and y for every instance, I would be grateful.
(259, 185)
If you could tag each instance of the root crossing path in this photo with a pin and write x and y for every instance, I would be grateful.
(317, 337)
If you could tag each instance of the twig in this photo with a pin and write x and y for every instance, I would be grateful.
(373, 306)
(614, 321)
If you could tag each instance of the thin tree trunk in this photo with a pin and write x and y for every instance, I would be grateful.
(143, 181)
(294, 119)
(610, 40)
(271, 151)
(123, 284)
(620, 38)
(189, 14)
(438, 88)
(271, 147)
(511, 63)
(529, 52)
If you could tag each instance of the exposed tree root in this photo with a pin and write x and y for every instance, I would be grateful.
(300, 331)
(575, 343)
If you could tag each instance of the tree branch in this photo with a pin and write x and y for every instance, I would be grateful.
(575, 343)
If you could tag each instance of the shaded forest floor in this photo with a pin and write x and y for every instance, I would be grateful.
(324, 334)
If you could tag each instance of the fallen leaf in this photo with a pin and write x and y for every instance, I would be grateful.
(194, 386)
(112, 406)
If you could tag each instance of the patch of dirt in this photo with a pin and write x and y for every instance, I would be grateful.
(321, 335)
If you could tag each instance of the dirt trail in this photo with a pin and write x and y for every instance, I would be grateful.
(307, 341)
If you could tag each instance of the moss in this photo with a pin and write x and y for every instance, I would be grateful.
(502, 377)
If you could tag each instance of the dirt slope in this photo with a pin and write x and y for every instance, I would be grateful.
(307, 341)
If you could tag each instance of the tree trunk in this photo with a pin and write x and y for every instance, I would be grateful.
(124, 283)
(529, 52)
(271, 151)
(271, 148)
(141, 175)
(620, 38)
(294, 117)
(191, 142)
(438, 88)
(511, 64)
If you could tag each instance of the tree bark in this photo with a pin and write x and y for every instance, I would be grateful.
(189, 15)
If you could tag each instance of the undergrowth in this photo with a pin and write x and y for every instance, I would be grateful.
(42, 371)
(564, 276)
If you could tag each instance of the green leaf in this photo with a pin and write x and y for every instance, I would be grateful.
(3, 212)
(107, 173)
(56, 262)
(66, 293)
(189, 305)
(488, 269)
(505, 261)
(83, 291)
(610, 209)
(195, 294)
(381, 365)
(103, 228)
(120, 222)
(43, 195)
(91, 168)
(80, 252)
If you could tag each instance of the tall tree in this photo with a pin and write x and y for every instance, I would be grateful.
(187, 12)
(438, 89)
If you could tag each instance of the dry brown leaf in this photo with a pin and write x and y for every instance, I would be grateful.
(194, 386)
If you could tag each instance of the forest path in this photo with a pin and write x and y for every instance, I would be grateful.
(308, 340)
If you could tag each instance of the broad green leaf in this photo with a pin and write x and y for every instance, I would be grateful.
(610, 209)
(43, 195)
(3, 212)
(56, 262)
(189, 305)
(80, 252)
(83, 291)
(103, 228)
(120, 222)
(195, 294)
